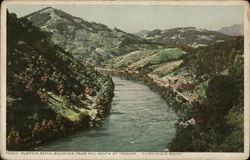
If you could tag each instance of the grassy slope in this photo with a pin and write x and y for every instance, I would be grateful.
(166, 68)
(131, 58)
(165, 55)
(140, 58)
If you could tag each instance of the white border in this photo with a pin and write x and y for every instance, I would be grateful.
(118, 155)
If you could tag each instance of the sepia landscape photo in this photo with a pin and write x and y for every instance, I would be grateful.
(124, 78)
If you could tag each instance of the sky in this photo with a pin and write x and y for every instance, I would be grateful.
(133, 18)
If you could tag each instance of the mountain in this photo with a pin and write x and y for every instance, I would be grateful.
(189, 36)
(142, 33)
(49, 92)
(234, 30)
(90, 41)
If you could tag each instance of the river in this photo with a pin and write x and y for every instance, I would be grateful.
(140, 121)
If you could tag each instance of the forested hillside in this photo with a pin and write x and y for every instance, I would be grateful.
(49, 93)
(219, 111)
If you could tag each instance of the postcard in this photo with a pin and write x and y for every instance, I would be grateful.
(124, 80)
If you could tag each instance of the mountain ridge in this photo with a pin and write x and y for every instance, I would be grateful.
(95, 43)
(191, 36)
(233, 30)
(141, 33)
(86, 40)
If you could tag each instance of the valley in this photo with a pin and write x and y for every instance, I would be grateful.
(193, 91)
(61, 82)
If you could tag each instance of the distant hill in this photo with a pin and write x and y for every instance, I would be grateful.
(234, 30)
(189, 36)
(142, 33)
(89, 41)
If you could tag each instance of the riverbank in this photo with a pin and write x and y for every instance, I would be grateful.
(181, 104)
(60, 118)
(166, 90)
(134, 124)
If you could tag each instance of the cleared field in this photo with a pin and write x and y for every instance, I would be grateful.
(168, 65)
(153, 57)
(166, 55)
(131, 58)
(142, 62)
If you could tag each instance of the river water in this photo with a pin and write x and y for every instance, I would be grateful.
(140, 121)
